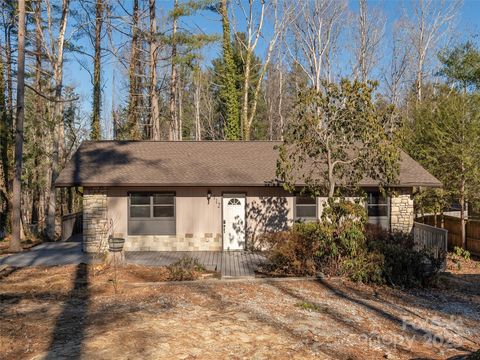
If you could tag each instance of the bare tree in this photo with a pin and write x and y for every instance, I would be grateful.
(254, 29)
(55, 53)
(133, 75)
(253, 34)
(368, 31)
(314, 31)
(197, 78)
(394, 74)
(174, 131)
(97, 93)
(39, 118)
(154, 98)
(17, 179)
(430, 23)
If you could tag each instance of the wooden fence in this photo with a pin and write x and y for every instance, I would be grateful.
(430, 238)
(71, 224)
(453, 225)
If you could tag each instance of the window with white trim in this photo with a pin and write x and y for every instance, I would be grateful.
(305, 208)
(151, 213)
(377, 204)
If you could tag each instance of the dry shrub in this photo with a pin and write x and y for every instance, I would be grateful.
(292, 252)
(343, 244)
(186, 268)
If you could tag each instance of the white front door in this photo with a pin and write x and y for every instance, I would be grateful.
(233, 222)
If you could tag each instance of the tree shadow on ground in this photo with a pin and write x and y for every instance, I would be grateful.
(339, 319)
(219, 302)
(376, 310)
(69, 330)
(462, 295)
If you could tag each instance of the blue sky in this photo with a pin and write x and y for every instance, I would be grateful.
(468, 27)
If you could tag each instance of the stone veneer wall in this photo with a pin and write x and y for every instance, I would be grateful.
(95, 220)
(401, 211)
(185, 242)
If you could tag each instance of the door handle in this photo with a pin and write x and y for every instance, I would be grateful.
(224, 225)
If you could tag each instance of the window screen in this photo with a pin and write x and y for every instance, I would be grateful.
(305, 208)
(151, 214)
(377, 204)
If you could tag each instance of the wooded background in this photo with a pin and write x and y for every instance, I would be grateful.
(242, 79)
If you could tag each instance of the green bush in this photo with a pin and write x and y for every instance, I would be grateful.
(343, 244)
(318, 246)
(404, 266)
(376, 233)
(186, 268)
(461, 253)
(366, 267)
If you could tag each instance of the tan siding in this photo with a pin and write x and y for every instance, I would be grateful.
(117, 206)
(267, 209)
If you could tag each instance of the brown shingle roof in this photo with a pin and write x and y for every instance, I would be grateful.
(190, 163)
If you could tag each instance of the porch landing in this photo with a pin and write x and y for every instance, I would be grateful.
(227, 263)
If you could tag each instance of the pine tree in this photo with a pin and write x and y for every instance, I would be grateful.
(228, 93)
(184, 45)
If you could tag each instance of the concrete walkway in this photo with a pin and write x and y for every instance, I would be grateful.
(230, 264)
(49, 254)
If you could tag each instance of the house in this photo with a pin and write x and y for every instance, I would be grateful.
(209, 195)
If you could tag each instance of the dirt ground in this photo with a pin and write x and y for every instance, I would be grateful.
(73, 312)
(27, 244)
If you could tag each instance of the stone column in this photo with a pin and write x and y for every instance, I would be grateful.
(401, 211)
(95, 222)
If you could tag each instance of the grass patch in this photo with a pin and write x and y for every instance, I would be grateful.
(306, 305)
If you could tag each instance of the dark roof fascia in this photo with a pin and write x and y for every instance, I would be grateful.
(405, 185)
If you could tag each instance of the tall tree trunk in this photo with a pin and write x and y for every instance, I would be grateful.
(8, 59)
(228, 92)
(196, 100)
(180, 108)
(38, 121)
(244, 125)
(17, 179)
(247, 119)
(463, 221)
(8, 143)
(5, 141)
(154, 106)
(363, 40)
(58, 149)
(97, 93)
(133, 111)
(280, 99)
(331, 177)
(114, 110)
(173, 133)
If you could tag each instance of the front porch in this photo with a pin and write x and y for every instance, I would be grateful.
(230, 264)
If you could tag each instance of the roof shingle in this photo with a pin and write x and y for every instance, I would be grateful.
(192, 163)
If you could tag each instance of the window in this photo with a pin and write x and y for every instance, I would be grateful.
(151, 214)
(163, 205)
(140, 205)
(305, 208)
(377, 204)
(234, 201)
